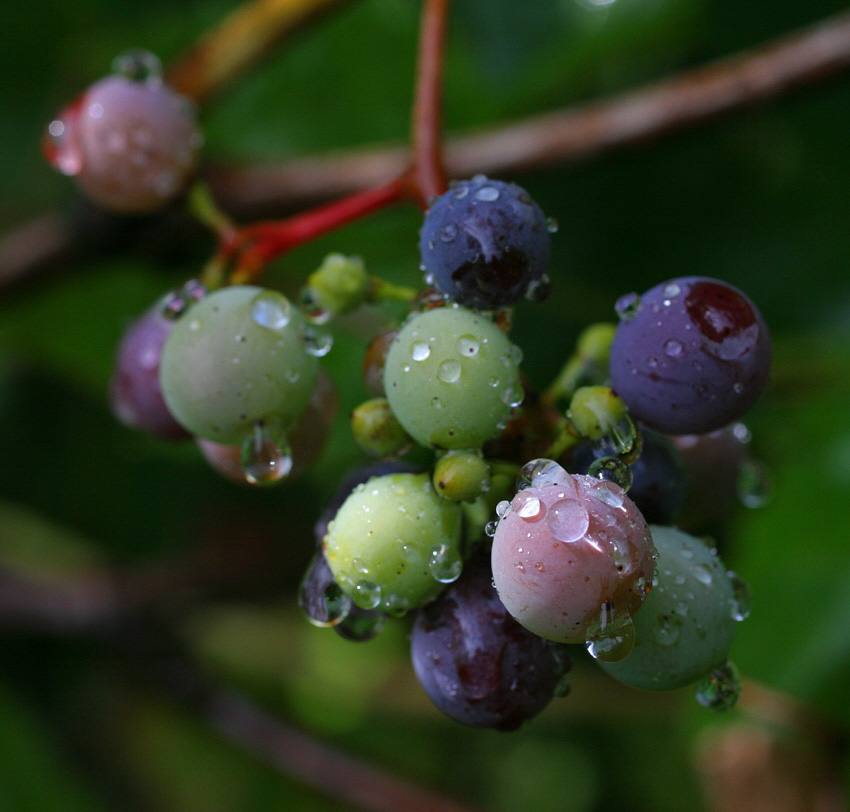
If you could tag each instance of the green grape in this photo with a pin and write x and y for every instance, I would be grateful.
(394, 543)
(461, 476)
(234, 359)
(685, 626)
(452, 378)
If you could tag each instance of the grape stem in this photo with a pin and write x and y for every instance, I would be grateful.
(428, 172)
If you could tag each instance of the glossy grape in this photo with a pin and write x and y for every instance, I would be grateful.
(394, 543)
(485, 244)
(571, 554)
(476, 663)
(452, 378)
(658, 475)
(686, 625)
(130, 145)
(134, 391)
(234, 359)
(690, 355)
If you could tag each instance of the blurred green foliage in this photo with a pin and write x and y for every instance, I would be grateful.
(759, 199)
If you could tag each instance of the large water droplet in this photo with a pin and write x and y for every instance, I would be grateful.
(739, 605)
(611, 469)
(540, 473)
(612, 638)
(567, 520)
(528, 505)
(444, 565)
(502, 508)
(468, 346)
(490, 528)
(265, 459)
(317, 342)
(330, 605)
(628, 306)
(487, 194)
(449, 371)
(271, 309)
(420, 351)
(720, 688)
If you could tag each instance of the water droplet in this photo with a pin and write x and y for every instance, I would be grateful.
(448, 232)
(436, 403)
(460, 192)
(625, 439)
(622, 555)
(271, 310)
(673, 348)
(666, 630)
(331, 605)
(487, 194)
(490, 528)
(265, 459)
(420, 351)
(568, 520)
(449, 371)
(367, 595)
(177, 302)
(540, 473)
(468, 346)
(396, 605)
(317, 341)
(741, 433)
(611, 469)
(502, 508)
(702, 574)
(739, 605)
(312, 309)
(753, 484)
(539, 289)
(138, 65)
(551, 225)
(444, 565)
(515, 354)
(628, 306)
(671, 290)
(96, 110)
(612, 638)
(511, 396)
(720, 688)
(528, 506)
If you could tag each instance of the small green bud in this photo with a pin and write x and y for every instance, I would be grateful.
(596, 410)
(461, 476)
(340, 284)
(377, 430)
(594, 343)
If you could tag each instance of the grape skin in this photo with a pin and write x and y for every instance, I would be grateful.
(134, 391)
(685, 626)
(693, 358)
(131, 146)
(222, 370)
(475, 662)
(450, 377)
(561, 555)
(485, 244)
(380, 544)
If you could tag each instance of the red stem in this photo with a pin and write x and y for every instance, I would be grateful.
(429, 176)
(268, 240)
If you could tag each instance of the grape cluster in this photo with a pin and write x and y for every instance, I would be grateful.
(499, 554)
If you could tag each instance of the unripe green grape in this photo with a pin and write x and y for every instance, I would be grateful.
(376, 429)
(461, 476)
(394, 543)
(687, 622)
(452, 378)
(234, 359)
(596, 410)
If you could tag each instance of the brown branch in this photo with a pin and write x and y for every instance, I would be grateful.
(806, 57)
(239, 41)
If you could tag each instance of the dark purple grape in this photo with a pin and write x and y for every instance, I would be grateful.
(485, 243)
(658, 475)
(134, 391)
(690, 355)
(476, 663)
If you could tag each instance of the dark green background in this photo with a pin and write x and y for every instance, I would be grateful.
(759, 199)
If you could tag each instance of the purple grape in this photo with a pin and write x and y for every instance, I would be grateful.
(134, 391)
(476, 663)
(485, 243)
(658, 475)
(689, 356)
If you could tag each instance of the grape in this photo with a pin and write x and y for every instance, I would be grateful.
(394, 543)
(374, 360)
(476, 663)
(130, 145)
(452, 378)
(234, 359)
(134, 391)
(572, 557)
(485, 244)
(686, 625)
(689, 356)
(658, 475)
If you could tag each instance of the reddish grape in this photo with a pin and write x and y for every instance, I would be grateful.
(134, 391)
(689, 356)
